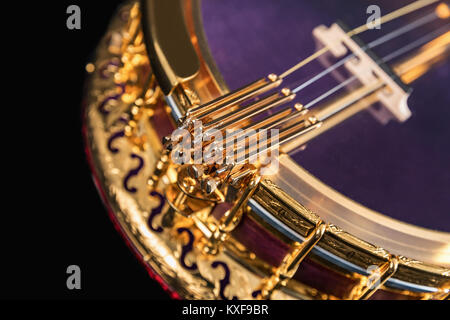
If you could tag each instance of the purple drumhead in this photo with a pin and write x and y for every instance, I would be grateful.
(399, 169)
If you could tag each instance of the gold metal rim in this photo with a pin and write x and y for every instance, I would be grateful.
(154, 250)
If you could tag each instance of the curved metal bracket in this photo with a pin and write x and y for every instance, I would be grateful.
(172, 56)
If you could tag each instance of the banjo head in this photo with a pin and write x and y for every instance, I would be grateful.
(358, 212)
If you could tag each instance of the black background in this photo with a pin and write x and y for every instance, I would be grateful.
(53, 216)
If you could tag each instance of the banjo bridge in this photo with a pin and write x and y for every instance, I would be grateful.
(366, 67)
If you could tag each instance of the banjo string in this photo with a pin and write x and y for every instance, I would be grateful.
(392, 35)
(377, 42)
(405, 49)
(384, 19)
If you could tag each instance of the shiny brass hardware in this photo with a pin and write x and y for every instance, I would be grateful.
(370, 284)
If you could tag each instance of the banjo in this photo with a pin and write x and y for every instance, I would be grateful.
(277, 149)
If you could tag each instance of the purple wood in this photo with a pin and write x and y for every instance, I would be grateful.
(324, 279)
(258, 240)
